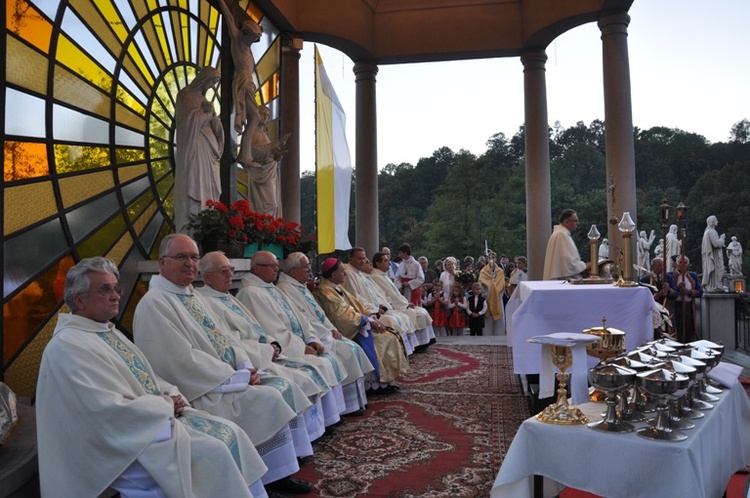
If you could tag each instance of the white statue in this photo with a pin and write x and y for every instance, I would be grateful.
(243, 32)
(200, 143)
(644, 249)
(712, 250)
(604, 250)
(659, 250)
(265, 187)
(673, 245)
(734, 255)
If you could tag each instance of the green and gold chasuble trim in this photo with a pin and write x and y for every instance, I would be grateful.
(134, 362)
(216, 429)
(283, 386)
(217, 339)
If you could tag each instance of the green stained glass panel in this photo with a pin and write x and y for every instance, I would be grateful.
(125, 156)
(160, 168)
(99, 242)
(71, 158)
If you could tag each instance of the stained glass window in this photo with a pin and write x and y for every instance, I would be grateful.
(90, 87)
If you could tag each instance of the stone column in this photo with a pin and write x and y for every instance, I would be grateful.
(366, 157)
(289, 116)
(618, 120)
(536, 142)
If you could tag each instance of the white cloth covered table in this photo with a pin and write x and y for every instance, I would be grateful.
(543, 307)
(627, 465)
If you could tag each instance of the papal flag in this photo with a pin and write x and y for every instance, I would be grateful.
(333, 165)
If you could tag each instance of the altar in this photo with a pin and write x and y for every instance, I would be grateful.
(545, 307)
(627, 465)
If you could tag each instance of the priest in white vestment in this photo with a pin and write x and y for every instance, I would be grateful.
(264, 354)
(174, 328)
(369, 294)
(292, 282)
(280, 322)
(397, 301)
(562, 260)
(105, 420)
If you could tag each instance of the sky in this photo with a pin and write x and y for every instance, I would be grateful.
(689, 69)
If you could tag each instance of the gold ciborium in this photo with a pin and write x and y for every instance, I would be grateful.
(561, 413)
(611, 344)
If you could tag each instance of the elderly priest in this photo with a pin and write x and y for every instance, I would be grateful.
(105, 420)
(174, 327)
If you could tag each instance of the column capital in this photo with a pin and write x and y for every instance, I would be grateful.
(614, 22)
(535, 58)
(291, 45)
(364, 71)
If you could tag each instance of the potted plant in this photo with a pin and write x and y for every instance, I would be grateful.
(219, 227)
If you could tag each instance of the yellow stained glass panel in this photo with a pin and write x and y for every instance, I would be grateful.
(25, 66)
(80, 62)
(77, 188)
(126, 116)
(270, 62)
(255, 13)
(120, 250)
(135, 207)
(143, 68)
(140, 224)
(24, 160)
(102, 27)
(131, 69)
(27, 204)
(128, 173)
(125, 155)
(127, 98)
(71, 158)
(160, 168)
(270, 89)
(70, 88)
(155, 43)
(25, 21)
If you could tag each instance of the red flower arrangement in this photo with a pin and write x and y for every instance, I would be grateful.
(238, 224)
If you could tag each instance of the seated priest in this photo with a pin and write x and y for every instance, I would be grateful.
(350, 317)
(280, 322)
(293, 283)
(364, 288)
(174, 327)
(397, 301)
(105, 420)
(264, 354)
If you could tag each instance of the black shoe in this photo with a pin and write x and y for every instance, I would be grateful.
(291, 485)
(433, 340)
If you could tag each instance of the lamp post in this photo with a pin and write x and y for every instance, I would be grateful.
(681, 211)
(594, 241)
(626, 228)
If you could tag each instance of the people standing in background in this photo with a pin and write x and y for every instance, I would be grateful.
(518, 274)
(457, 310)
(436, 303)
(476, 309)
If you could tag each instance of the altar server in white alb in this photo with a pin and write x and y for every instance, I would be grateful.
(264, 353)
(174, 328)
(562, 260)
(280, 322)
(293, 283)
(105, 420)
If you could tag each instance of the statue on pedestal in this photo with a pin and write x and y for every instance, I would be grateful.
(712, 250)
(644, 249)
(200, 143)
(659, 251)
(265, 188)
(604, 250)
(734, 255)
(673, 246)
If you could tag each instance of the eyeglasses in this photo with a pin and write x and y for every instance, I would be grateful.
(227, 270)
(106, 291)
(271, 265)
(184, 257)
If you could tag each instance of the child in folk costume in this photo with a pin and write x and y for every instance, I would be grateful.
(476, 309)
(457, 307)
(436, 303)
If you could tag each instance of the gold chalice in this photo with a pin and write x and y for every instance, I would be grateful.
(611, 344)
(561, 413)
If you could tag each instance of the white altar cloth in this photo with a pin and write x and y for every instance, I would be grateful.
(544, 307)
(627, 465)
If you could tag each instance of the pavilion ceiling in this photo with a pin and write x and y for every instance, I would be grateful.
(397, 31)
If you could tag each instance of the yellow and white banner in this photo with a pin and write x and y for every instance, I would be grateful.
(333, 165)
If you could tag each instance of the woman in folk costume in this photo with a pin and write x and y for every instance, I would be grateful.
(448, 276)
(436, 303)
(492, 277)
(457, 307)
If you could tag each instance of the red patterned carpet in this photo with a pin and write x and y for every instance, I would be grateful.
(443, 435)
